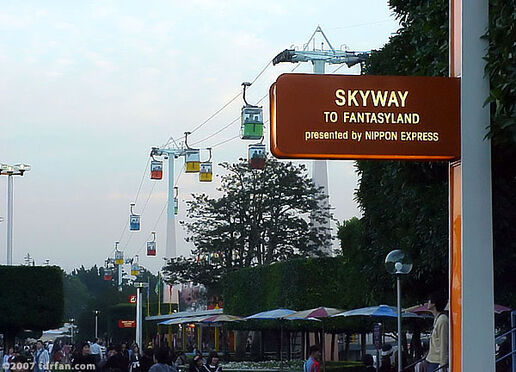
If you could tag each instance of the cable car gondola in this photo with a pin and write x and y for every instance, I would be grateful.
(206, 171)
(156, 168)
(108, 274)
(119, 257)
(176, 201)
(151, 246)
(257, 156)
(251, 120)
(135, 269)
(134, 220)
(192, 158)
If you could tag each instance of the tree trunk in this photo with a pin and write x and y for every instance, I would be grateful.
(346, 348)
(362, 344)
(333, 346)
(241, 343)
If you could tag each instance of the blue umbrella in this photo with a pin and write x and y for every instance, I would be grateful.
(272, 314)
(379, 311)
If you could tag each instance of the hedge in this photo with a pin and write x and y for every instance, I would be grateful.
(32, 298)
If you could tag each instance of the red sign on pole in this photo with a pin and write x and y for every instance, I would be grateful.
(127, 324)
(132, 299)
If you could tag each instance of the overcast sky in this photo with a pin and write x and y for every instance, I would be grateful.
(87, 87)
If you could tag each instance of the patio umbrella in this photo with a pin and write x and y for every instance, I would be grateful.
(276, 314)
(272, 314)
(222, 318)
(316, 314)
(378, 311)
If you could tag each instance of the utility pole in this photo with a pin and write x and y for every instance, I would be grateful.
(319, 58)
(10, 171)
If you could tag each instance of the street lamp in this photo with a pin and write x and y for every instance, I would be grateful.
(10, 171)
(398, 263)
(96, 312)
(71, 328)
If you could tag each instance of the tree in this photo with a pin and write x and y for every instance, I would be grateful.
(262, 217)
(404, 204)
(32, 299)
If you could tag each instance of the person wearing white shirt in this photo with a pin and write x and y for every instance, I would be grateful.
(96, 350)
(41, 358)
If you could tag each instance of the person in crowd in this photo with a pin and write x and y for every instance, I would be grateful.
(196, 364)
(57, 353)
(386, 364)
(8, 358)
(50, 347)
(180, 359)
(438, 352)
(95, 350)
(135, 365)
(162, 358)
(422, 365)
(18, 364)
(125, 354)
(41, 358)
(368, 361)
(83, 360)
(114, 361)
(312, 364)
(147, 359)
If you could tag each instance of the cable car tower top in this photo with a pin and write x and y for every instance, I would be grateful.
(171, 152)
(319, 58)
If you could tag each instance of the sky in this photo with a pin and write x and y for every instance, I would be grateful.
(87, 88)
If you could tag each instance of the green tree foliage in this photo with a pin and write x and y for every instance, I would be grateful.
(262, 217)
(297, 284)
(404, 204)
(32, 299)
(86, 291)
(502, 98)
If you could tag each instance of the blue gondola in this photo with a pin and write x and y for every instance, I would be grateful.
(134, 220)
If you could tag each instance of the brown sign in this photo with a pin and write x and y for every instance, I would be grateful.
(127, 324)
(132, 299)
(365, 117)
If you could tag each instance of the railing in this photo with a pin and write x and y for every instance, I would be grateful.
(512, 332)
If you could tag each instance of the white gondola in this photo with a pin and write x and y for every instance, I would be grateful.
(134, 220)
(257, 156)
(156, 168)
(151, 246)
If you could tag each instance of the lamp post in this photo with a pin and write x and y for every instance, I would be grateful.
(71, 328)
(96, 312)
(398, 263)
(10, 171)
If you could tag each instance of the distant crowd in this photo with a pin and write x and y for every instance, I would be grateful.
(95, 356)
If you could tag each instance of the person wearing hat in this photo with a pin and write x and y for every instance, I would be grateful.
(386, 365)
